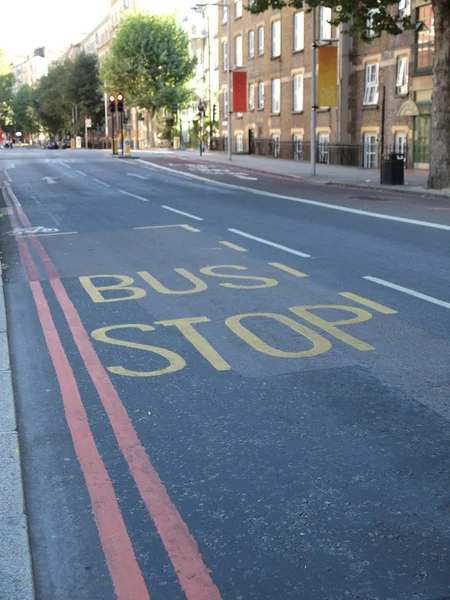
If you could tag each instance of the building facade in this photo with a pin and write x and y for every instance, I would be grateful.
(275, 49)
(30, 69)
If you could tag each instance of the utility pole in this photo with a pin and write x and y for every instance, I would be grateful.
(313, 93)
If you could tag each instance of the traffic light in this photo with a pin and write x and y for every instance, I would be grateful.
(112, 103)
(120, 99)
(214, 112)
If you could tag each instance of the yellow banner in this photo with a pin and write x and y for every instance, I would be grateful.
(328, 82)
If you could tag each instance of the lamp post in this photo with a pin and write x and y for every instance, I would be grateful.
(226, 6)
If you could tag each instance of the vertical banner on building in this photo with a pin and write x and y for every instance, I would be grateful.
(328, 79)
(239, 91)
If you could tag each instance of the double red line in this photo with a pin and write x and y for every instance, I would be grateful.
(181, 547)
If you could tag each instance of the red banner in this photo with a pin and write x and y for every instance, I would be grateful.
(239, 91)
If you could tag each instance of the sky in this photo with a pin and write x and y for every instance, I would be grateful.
(28, 24)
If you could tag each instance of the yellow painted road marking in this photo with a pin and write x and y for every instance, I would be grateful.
(266, 281)
(199, 285)
(188, 227)
(289, 270)
(234, 246)
(370, 303)
(125, 284)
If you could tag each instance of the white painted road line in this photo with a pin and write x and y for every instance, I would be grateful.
(64, 164)
(133, 195)
(249, 190)
(263, 241)
(102, 182)
(81, 173)
(136, 175)
(400, 288)
(180, 212)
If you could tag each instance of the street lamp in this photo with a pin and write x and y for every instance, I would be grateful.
(230, 109)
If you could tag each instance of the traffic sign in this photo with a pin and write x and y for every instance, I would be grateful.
(88, 122)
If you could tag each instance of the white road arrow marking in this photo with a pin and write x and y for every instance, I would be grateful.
(49, 180)
(136, 175)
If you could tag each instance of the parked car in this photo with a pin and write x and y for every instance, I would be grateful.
(66, 143)
(52, 145)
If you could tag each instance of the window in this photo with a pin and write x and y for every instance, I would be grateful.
(238, 51)
(250, 3)
(404, 8)
(276, 146)
(371, 84)
(225, 104)
(251, 44)
(425, 40)
(400, 144)
(125, 4)
(298, 93)
(276, 89)
(370, 151)
(239, 144)
(299, 31)
(225, 55)
(237, 9)
(370, 32)
(401, 84)
(324, 23)
(297, 143)
(260, 40)
(224, 14)
(260, 95)
(322, 148)
(251, 96)
(276, 39)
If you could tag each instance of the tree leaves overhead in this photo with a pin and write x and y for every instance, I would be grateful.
(24, 111)
(355, 15)
(150, 62)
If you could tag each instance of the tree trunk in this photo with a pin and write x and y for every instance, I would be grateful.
(152, 118)
(440, 112)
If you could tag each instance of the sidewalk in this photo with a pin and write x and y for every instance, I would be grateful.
(415, 179)
(16, 578)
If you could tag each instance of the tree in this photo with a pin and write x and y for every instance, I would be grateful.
(84, 88)
(6, 87)
(53, 106)
(23, 107)
(150, 62)
(383, 19)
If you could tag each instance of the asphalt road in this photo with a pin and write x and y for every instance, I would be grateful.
(220, 404)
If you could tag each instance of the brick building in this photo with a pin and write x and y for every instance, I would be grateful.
(275, 48)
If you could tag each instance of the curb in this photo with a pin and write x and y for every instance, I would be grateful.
(16, 572)
(413, 190)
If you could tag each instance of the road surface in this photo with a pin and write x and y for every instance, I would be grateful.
(229, 385)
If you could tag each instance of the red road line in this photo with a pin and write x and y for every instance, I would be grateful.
(181, 546)
(126, 575)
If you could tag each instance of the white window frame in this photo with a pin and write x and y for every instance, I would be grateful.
(251, 96)
(297, 143)
(369, 23)
(324, 23)
(276, 96)
(260, 40)
(297, 92)
(225, 104)
(400, 141)
(224, 14)
(239, 143)
(237, 9)
(251, 44)
(276, 39)
(401, 82)
(238, 56)
(299, 31)
(276, 139)
(261, 95)
(404, 8)
(225, 55)
(323, 141)
(371, 72)
(370, 144)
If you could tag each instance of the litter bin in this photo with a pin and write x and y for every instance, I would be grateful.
(393, 170)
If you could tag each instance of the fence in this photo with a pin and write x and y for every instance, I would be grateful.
(349, 155)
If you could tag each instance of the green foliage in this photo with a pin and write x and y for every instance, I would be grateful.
(355, 15)
(24, 111)
(6, 85)
(69, 84)
(150, 62)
